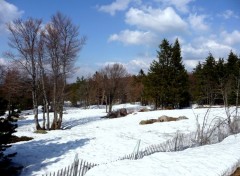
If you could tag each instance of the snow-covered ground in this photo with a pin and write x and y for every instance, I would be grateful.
(101, 141)
(211, 160)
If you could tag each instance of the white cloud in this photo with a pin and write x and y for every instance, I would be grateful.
(197, 22)
(8, 12)
(218, 49)
(137, 64)
(190, 64)
(180, 5)
(227, 14)
(134, 65)
(133, 37)
(204, 46)
(140, 62)
(118, 5)
(166, 20)
(231, 38)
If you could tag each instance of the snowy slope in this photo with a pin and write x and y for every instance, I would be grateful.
(100, 140)
(211, 160)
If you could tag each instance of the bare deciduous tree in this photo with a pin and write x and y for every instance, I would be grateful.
(62, 43)
(113, 75)
(24, 38)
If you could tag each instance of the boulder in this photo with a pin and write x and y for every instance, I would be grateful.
(150, 121)
(123, 112)
(163, 118)
(116, 114)
(166, 119)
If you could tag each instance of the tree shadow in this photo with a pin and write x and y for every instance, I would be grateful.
(34, 155)
(65, 125)
(77, 122)
(26, 122)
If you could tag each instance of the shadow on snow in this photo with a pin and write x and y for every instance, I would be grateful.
(65, 125)
(39, 154)
(77, 122)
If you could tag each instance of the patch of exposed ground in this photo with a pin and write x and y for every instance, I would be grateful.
(237, 172)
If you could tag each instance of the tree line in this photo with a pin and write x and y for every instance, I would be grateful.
(216, 81)
(44, 56)
(167, 84)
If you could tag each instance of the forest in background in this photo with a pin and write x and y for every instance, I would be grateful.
(167, 84)
(43, 58)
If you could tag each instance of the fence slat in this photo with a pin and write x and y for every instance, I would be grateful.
(71, 170)
(68, 171)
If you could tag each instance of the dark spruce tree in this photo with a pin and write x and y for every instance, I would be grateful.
(180, 81)
(209, 71)
(206, 81)
(221, 81)
(167, 79)
(233, 72)
(217, 82)
(156, 82)
(6, 166)
(3, 106)
(198, 85)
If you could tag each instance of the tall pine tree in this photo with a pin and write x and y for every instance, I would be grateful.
(167, 79)
(198, 84)
(233, 72)
(180, 82)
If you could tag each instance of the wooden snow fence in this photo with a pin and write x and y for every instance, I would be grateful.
(77, 168)
(146, 152)
(178, 143)
(80, 167)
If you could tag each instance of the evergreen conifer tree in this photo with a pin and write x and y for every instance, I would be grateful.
(221, 81)
(209, 71)
(233, 72)
(198, 84)
(217, 82)
(180, 86)
(167, 79)
(6, 131)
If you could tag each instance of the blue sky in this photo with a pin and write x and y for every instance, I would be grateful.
(129, 31)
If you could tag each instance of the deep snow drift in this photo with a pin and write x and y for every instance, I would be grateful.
(101, 141)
